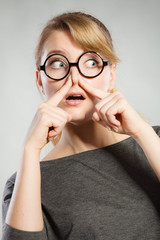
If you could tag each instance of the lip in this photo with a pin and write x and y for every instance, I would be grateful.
(76, 93)
(74, 102)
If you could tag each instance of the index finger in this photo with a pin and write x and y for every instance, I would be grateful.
(60, 94)
(98, 93)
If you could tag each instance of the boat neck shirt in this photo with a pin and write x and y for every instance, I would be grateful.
(110, 193)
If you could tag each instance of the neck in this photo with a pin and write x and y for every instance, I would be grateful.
(87, 136)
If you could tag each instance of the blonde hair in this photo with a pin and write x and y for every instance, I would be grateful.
(87, 31)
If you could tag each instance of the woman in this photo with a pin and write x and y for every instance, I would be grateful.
(100, 181)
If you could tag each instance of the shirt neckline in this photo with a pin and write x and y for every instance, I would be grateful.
(73, 156)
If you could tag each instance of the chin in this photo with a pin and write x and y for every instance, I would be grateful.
(80, 119)
(81, 113)
(80, 122)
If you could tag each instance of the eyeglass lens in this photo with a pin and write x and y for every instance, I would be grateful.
(89, 64)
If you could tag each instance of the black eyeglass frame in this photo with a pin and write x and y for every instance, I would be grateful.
(42, 67)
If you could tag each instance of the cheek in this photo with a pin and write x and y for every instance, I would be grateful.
(101, 82)
(50, 87)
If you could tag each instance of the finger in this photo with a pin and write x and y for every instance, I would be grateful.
(59, 113)
(60, 94)
(95, 117)
(106, 124)
(60, 117)
(100, 94)
(108, 112)
(102, 109)
(57, 127)
(110, 99)
(113, 121)
(114, 113)
(54, 132)
(55, 113)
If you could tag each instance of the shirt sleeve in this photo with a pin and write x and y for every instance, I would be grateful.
(157, 130)
(9, 233)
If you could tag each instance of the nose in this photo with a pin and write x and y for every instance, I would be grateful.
(75, 75)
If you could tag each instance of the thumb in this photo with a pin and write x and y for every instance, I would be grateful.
(95, 117)
(69, 118)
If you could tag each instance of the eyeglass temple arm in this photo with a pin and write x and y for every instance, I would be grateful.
(42, 67)
(106, 63)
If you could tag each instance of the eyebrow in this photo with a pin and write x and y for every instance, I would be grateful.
(56, 51)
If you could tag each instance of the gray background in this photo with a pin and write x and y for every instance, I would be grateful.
(134, 26)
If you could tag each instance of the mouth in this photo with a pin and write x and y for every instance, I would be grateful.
(74, 99)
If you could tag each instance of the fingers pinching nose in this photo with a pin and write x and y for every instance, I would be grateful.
(60, 94)
(95, 92)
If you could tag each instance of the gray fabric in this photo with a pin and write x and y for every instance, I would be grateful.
(109, 193)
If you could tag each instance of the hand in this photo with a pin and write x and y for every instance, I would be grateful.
(114, 112)
(49, 120)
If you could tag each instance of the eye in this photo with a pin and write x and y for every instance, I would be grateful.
(91, 63)
(57, 64)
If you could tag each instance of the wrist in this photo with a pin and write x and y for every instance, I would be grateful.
(144, 131)
(29, 148)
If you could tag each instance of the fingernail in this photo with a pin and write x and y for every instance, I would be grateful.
(69, 118)
(96, 116)
(115, 129)
(94, 119)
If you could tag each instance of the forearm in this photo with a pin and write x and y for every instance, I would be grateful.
(25, 211)
(150, 143)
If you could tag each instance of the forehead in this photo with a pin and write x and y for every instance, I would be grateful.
(61, 42)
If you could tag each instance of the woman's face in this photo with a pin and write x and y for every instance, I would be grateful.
(62, 42)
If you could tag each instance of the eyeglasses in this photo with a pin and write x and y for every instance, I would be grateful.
(90, 64)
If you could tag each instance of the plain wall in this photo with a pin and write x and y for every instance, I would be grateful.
(134, 26)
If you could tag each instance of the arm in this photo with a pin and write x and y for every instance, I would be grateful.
(114, 112)
(25, 212)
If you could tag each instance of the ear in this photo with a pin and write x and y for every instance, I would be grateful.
(39, 81)
(112, 78)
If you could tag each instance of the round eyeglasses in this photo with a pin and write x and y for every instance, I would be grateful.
(90, 64)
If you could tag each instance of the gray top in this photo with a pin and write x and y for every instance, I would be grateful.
(108, 193)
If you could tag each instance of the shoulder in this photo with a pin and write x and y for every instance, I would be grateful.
(11, 179)
(157, 130)
(9, 187)
(7, 194)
